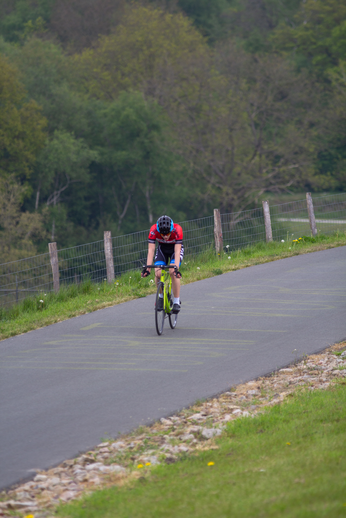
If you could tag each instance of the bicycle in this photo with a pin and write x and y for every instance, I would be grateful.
(164, 287)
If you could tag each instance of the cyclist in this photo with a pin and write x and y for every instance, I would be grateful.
(170, 238)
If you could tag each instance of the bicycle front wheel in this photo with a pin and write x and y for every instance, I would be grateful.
(173, 319)
(159, 314)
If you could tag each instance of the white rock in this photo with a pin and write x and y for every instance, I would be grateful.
(95, 465)
(166, 421)
(197, 417)
(195, 429)
(28, 486)
(54, 481)
(237, 411)
(186, 437)
(103, 444)
(104, 469)
(43, 485)
(118, 445)
(40, 478)
(253, 392)
(67, 495)
(102, 457)
(284, 371)
(183, 449)
(79, 471)
(227, 417)
(208, 433)
(66, 481)
(22, 495)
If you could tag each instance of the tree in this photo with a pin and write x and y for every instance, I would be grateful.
(134, 159)
(249, 130)
(318, 36)
(331, 160)
(20, 17)
(64, 160)
(252, 22)
(210, 17)
(47, 76)
(22, 126)
(148, 47)
(18, 230)
(78, 23)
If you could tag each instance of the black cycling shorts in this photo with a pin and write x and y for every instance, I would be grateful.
(163, 259)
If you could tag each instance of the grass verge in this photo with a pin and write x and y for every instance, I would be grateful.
(78, 299)
(288, 461)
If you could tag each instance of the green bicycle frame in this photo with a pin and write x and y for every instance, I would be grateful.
(164, 287)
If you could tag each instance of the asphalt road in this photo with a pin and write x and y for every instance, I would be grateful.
(66, 386)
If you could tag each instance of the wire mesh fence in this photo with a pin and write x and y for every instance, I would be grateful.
(241, 229)
(82, 262)
(290, 220)
(33, 275)
(24, 278)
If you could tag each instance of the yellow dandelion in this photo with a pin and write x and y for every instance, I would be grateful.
(29, 516)
(288, 443)
(148, 464)
(140, 466)
(211, 463)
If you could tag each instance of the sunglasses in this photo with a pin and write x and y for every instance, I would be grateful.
(166, 235)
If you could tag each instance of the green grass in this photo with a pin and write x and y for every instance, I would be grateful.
(289, 461)
(78, 299)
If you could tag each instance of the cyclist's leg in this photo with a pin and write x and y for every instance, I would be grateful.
(175, 281)
(160, 260)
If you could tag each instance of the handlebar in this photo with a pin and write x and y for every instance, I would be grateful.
(160, 266)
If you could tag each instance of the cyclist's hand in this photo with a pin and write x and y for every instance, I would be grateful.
(145, 272)
(177, 273)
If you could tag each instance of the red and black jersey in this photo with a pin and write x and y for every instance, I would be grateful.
(176, 237)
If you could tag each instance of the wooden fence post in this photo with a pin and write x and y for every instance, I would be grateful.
(311, 214)
(218, 232)
(267, 221)
(53, 254)
(109, 255)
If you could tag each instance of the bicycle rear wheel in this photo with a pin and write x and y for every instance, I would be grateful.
(159, 315)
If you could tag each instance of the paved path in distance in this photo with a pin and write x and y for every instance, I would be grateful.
(65, 387)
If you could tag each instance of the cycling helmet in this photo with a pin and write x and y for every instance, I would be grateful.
(164, 225)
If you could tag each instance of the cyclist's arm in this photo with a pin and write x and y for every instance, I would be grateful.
(177, 250)
(151, 253)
